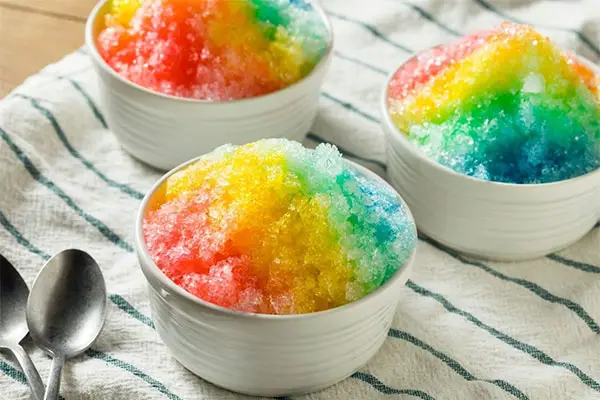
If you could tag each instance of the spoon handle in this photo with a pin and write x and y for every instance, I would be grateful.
(31, 373)
(54, 378)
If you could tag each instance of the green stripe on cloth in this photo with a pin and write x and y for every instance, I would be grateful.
(531, 286)
(348, 106)
(88, 100)
(454, 365)
(359, 62)
(426, 15)
(38, 176)
(125, 306)
(86, 163)
(12, 372)
(383, 388)
(16, 375)
(523, 347)
(20, 238)
(575, 264)
(371, 29)
(133, 370)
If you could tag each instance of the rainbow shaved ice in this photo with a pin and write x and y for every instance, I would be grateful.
(504, 105)
(272, 227)
(214, 50)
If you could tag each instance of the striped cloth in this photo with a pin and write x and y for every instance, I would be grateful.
(464, 329)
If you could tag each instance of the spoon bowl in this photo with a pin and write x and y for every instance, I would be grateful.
(13, 322)
(66, 309)
(13, 295)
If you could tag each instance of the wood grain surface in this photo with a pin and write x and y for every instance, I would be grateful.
(35, 33)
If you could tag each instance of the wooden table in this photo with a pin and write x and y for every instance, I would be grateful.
(34, 33)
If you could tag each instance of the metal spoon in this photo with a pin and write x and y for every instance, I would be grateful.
(66, 310)
(13, 325)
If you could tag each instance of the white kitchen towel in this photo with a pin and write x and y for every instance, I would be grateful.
(463, 330)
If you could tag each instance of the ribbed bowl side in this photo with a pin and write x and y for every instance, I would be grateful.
(492, 221)
(164, 132)
(274, 357)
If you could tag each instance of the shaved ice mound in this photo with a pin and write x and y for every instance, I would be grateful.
(505, 105)
(275, 228)
(216, 50)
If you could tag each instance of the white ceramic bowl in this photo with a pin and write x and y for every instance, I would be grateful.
(165, 131)
(268, 355)
(489, 220)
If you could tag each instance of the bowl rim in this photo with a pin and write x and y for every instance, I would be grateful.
(148, 266)
(400, 138)
(90, 41)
